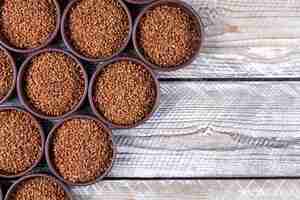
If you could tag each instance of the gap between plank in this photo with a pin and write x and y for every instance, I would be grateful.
(229, 79)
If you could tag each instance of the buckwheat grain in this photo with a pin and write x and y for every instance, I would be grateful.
(6, 74)
(124, 92)
(82, 150)
(20, 142)
(27, 24)
(53, 83)
(167, 36)
(97, 28)
(38, 188)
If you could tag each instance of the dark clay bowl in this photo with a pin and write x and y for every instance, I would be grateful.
(42, 133)
(48, 148)
(68, 43)
(48, 41)
(139, 2)
(22, 95)
(13, 64)
(14, 186)
(100, 116)
(175, 3)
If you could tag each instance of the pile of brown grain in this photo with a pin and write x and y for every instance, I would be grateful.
(81, 150)
(20, 142)
(54, 83)
(124, 92)
(27, 24)
(38, 188)
(6, 74)
(97, 28)
(167, 36)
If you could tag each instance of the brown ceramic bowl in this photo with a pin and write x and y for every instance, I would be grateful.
(22, 95)
(3, 108)
(91, 86)
(13, 64)
(140, 2)
(48, 41)
(67, 41)
(14, 186)
(48, 147)
(174, 3)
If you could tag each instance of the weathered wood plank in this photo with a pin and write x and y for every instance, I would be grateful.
(247, 38)
(280, 189)
(216, 129)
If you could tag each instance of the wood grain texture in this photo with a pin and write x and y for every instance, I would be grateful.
(246, 39)
(216, 129)
(279, 189)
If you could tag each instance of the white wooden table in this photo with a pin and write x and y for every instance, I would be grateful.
(234, 114)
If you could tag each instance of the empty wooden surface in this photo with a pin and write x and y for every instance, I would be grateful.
(279, 189)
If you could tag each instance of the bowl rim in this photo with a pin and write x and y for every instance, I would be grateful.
(188, 9)
(24, 178)
(139, 2)
(22, 96)
(43, 139)
(69, 46)
(100, 67)
(49, 142)
(51, 37)
(14, 67)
